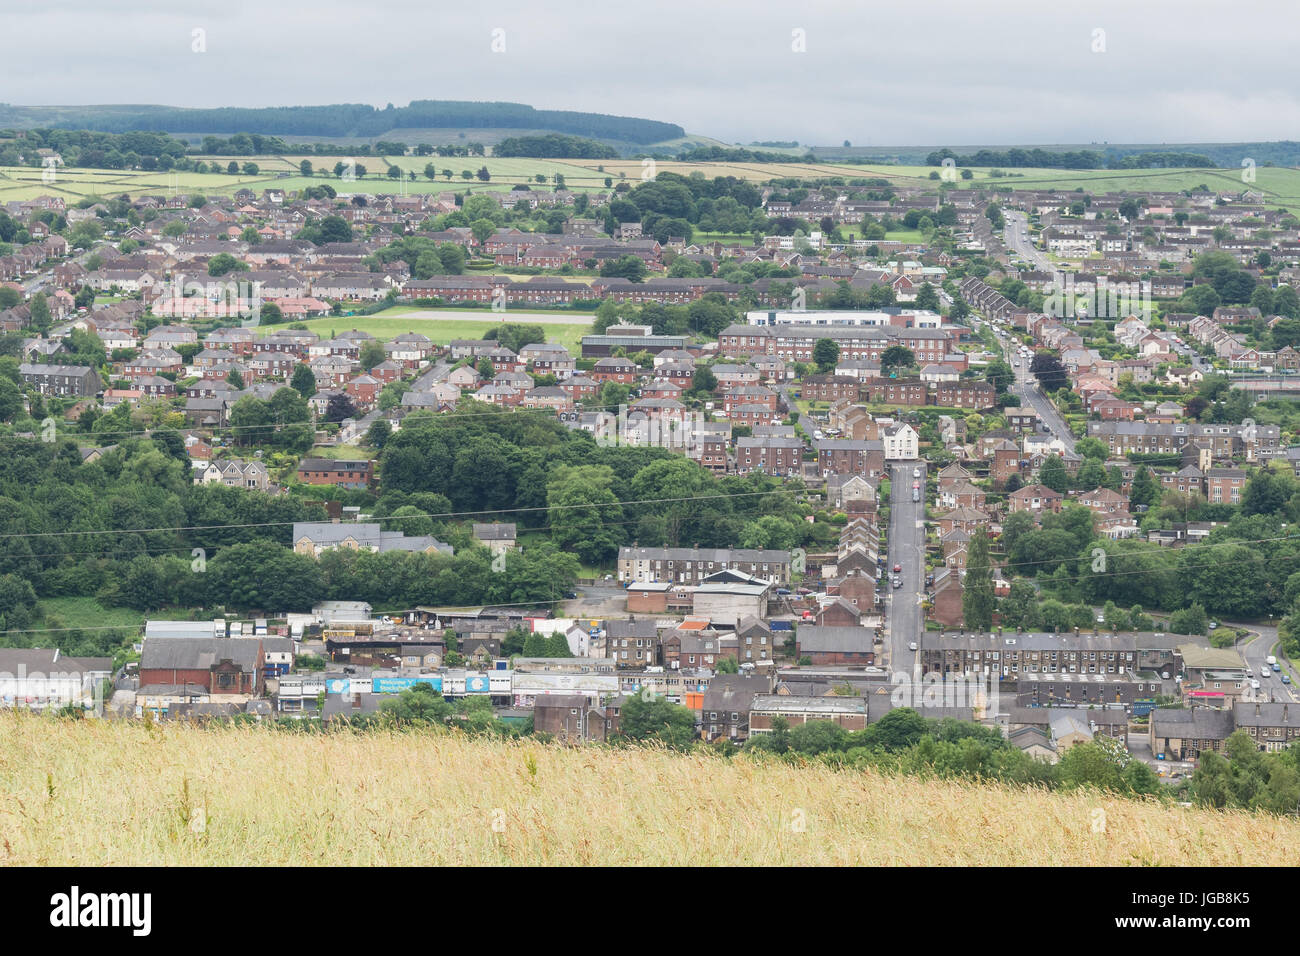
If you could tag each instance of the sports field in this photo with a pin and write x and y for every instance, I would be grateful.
(443, 325)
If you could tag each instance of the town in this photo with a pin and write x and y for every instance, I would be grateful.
(702, 461)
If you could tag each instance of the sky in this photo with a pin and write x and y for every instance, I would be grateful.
(877, 74)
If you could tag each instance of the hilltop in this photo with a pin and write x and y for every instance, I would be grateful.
(104, 793)
(341, 120)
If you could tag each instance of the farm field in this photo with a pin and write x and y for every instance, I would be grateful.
(127, 791)
(1279, 185)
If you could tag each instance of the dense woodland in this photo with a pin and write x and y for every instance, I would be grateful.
(133, 530)
(342, 119)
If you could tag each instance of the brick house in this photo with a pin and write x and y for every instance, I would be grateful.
(342, 473)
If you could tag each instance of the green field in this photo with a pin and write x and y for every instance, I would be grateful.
(393, 322)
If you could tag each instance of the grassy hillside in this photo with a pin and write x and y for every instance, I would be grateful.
(97, 793)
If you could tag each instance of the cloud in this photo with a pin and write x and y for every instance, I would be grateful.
(946, 72)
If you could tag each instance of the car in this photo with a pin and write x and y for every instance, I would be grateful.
(1264, 672)
(1213, 625)
(1286, 678)
(1276, 668)
(1101, 618)
(1270, 660)
(916, 473)
(818, 435)
(570, 595)
(916, 495)
(1254, 685)
(912, 646)
(1164, 675)
(898, 583)
(897, 568)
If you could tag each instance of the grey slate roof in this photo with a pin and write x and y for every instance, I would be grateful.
(198, 653)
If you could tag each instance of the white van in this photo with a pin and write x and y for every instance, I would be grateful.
(1270, 660)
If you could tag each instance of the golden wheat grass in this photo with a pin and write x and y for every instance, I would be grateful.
(89, 793)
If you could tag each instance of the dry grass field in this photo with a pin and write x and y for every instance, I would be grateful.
(89, 793)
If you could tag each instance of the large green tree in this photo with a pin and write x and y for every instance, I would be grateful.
(977, 599)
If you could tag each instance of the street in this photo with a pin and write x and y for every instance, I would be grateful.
(1015, 235)
(1032, 396)
(1255, 650)
(906, 548)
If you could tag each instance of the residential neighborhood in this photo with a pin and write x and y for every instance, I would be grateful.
(584, 473)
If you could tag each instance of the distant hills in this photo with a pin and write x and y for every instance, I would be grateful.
(437, 121)
(341, 120)
(1222, 155)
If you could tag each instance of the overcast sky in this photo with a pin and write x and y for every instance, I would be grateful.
(878, 74)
